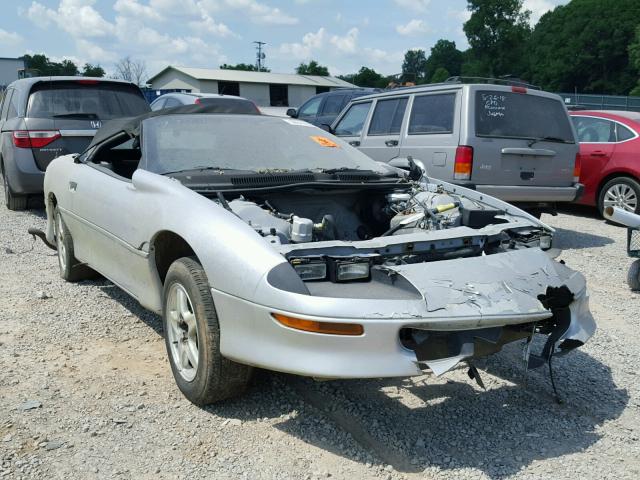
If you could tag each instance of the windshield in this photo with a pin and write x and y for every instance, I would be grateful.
(517, 115)
(173, 143)
(99, 101)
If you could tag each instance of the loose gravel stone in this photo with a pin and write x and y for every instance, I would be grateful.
(84, 358)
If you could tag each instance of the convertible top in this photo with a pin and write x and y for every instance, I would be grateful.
(131, 125)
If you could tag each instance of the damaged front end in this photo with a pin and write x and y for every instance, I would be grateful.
(495, 300)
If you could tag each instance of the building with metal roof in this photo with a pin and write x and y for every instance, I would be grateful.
(264, 88)
(10, 69)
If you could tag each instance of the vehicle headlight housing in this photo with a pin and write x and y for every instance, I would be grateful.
(348, 270)
(314, 268)
(335, 269)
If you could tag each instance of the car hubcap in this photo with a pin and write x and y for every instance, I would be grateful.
(182, 332)
(622, 196)
(62, 251)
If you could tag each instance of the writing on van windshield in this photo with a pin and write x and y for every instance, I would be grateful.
(494, 104)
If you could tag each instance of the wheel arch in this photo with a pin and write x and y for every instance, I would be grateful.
(166, 247)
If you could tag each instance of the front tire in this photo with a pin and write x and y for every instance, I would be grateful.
(192, 338)
(71, 269)
(622, 192)
(12, 201)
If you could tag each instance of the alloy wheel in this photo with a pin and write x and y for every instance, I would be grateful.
(182, 332)
(622, 196)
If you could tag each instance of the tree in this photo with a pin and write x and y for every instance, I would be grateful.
(92, 70)
(413, 66)
(444, 54)
(440, 75)
(247, 67)
(366, 77)
(132, 70)
(585, 46)
(497, 31)
(312, 68)
(634, 59)
(41, 64)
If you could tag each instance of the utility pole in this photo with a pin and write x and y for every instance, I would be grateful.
(260, 56)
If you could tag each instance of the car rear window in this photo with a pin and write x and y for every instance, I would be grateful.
(101, 100)
(229, 105)
(519, 115)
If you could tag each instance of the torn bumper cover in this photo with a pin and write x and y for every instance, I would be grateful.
(494, 300)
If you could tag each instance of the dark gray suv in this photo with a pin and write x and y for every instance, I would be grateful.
(322, 109)
(42, 118)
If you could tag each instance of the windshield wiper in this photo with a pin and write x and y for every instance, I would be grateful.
(533, 141)
(80, 115)
(222, 170)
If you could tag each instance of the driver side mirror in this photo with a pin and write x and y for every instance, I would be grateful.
(292, 112)
(406, 163)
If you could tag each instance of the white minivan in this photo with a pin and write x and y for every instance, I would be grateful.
(510, 141)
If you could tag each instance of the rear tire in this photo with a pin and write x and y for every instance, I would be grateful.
(71, 269)
(12, 201)
(623, 192)
(633, 277)
(192, 338)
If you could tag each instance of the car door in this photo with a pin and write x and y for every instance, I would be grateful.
(433, 132)
(597, 137)
(106, 221)
(381, 141)
(350, 124)
(309, 111)
(330, 109)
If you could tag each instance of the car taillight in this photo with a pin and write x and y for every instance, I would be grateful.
(198, 101)
(518, 90)
(34, 138)
(577, 167)
(464, 163)
(88, 82)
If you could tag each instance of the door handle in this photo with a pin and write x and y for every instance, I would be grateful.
(354, 143)
(598, 153)
(73, 186)
(391, 143)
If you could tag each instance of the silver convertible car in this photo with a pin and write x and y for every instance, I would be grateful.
(267, 242)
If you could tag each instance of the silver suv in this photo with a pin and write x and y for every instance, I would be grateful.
(512, 142)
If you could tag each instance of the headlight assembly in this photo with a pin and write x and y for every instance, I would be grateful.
(335, 269)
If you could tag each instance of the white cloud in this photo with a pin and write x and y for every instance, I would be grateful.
(414, 27)
(93, 53)
(262, 13)
(347, 43)
(76, 17)
(134, 9)
(538, 8)
(209, 25)
(310, 42)
(9, 38)
(415, 5)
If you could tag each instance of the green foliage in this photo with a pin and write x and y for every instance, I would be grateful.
(585, 45)
(440, 75)
(413, 66)
(444, 54)
(497, 31)
(366, 77)
(42, 66)
(247, 67)
(312, 68)
(92, 70)
(634, 59)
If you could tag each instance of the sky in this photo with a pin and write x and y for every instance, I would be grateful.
(343, 35)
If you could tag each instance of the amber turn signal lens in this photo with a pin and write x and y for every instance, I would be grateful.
(329, 328)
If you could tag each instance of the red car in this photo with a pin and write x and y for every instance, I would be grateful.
(610, 154)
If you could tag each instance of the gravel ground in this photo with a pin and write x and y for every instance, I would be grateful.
(86, 392)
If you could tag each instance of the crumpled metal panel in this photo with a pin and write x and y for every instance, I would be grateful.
(505, 283)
